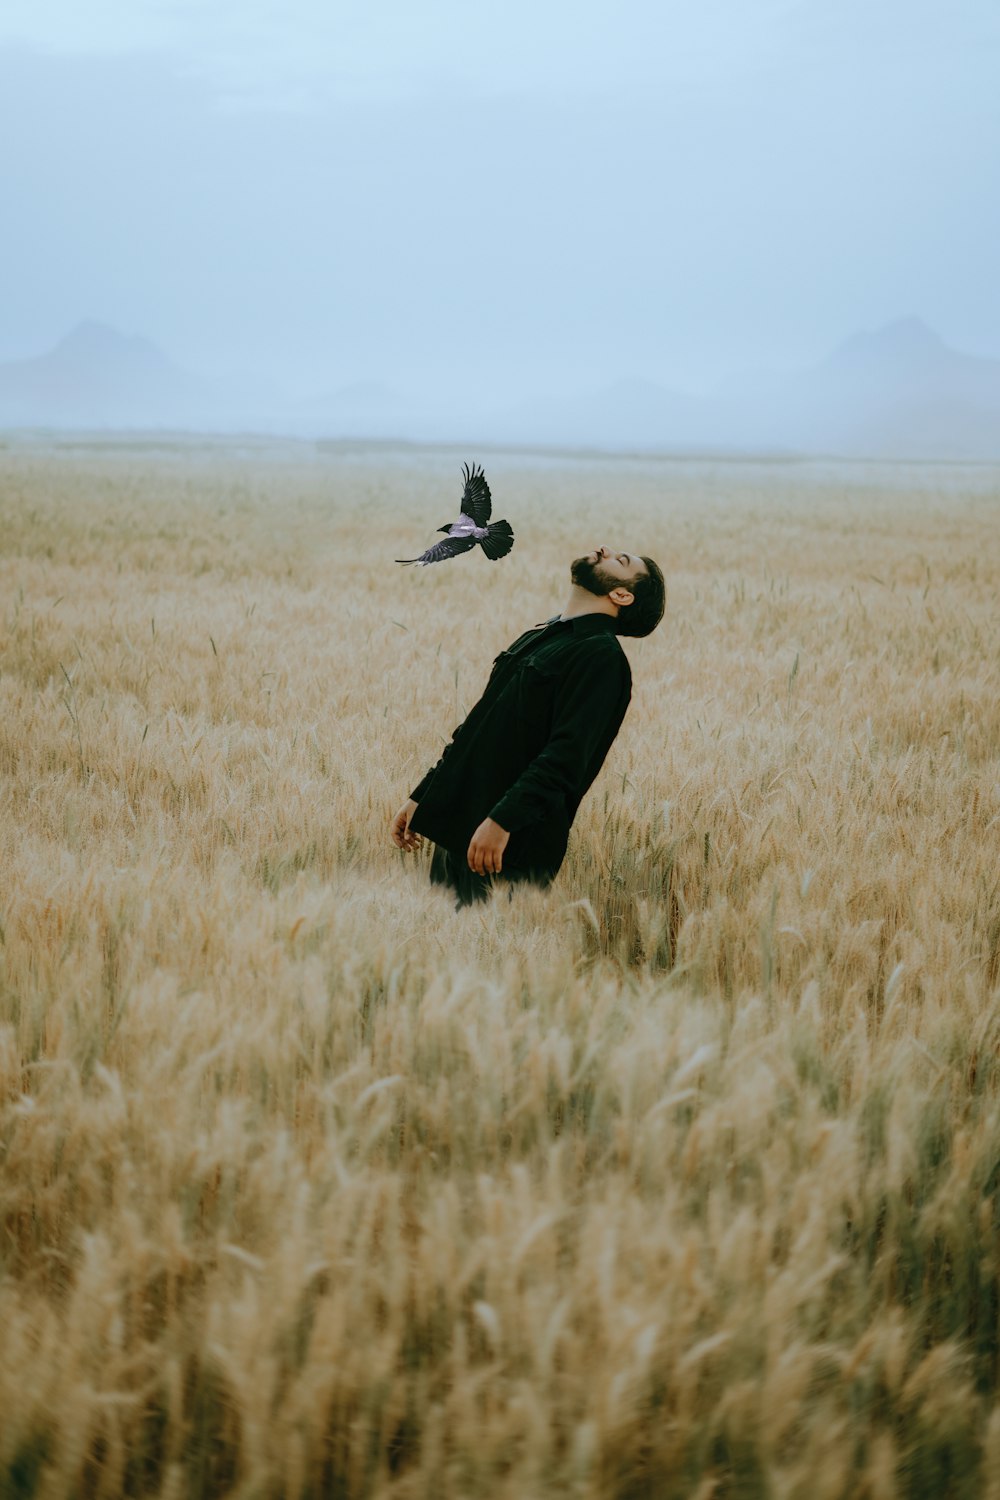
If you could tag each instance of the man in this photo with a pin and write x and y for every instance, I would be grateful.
(501, 799)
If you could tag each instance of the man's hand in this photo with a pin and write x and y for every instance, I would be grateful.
(399, 828)
(485, 854)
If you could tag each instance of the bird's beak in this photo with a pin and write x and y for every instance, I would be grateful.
(444, 528)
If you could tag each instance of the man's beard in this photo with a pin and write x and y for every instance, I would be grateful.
(592, 577)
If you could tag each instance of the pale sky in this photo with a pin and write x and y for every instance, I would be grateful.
(524, 197)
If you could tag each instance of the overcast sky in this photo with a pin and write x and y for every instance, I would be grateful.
(523, 197)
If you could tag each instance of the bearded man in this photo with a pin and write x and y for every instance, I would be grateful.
(499, 803)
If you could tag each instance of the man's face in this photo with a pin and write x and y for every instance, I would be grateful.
(604, 569)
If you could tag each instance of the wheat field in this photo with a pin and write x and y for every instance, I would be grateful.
(681, 1179)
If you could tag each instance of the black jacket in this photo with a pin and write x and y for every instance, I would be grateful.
(532, 745)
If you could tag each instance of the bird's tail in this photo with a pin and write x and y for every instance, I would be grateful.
(407, 561)
(498, 540)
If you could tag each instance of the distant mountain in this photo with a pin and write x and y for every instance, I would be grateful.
(906, 360)
(897, 391)
(97, 377)
(903, 390)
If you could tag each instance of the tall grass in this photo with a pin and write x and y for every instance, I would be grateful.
(681, 1179)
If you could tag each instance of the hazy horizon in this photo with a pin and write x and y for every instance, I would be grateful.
(501, 203)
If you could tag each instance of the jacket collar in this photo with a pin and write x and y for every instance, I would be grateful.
(593, 624)
(581, 625)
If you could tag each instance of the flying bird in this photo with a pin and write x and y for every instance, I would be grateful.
(473, 525)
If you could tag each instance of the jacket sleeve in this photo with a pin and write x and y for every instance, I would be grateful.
(456, 735)
(587, 713)
(428, 777)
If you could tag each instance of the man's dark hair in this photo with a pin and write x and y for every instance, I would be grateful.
(642, 616)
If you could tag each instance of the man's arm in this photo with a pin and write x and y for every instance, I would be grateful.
(424, 782)
(456, 734)
(589, 708)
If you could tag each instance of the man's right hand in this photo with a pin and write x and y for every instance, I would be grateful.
(399, 828)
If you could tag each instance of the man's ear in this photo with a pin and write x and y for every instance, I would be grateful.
(621, 597)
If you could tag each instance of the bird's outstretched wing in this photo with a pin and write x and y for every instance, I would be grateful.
(498, 540)
(450, 547)
(476, 499)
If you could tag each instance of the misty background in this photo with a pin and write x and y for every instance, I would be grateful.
(746, 224)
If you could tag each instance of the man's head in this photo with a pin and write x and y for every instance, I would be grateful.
(633, 584)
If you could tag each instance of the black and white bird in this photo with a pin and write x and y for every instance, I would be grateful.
(473, 525)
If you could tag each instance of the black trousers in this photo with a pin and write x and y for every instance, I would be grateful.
(449, 870)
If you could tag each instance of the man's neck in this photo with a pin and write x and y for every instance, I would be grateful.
(582, 602)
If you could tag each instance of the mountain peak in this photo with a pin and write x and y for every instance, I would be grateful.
(96, 376)
(93, 340)
(904, 339)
